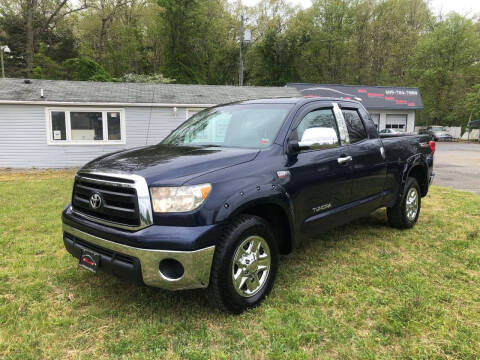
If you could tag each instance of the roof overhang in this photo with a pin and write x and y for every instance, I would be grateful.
(111, 104)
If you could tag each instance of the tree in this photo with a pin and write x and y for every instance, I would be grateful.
(446, 65)
(45, 67)
(85, 70)
(275, 50)
(136, 78)
(45, 13)
(198, 46)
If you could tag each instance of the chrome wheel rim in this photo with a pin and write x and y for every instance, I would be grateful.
(411, 204)
(251, 266)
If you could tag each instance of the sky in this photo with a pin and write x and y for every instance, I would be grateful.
(464, 7)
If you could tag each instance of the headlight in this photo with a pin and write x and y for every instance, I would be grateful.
(179, 199)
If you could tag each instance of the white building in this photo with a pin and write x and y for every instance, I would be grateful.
(48, 124)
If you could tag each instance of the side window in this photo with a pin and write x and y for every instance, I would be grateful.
(318, 130)
(355, 127)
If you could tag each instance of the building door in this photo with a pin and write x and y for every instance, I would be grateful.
(397, 122)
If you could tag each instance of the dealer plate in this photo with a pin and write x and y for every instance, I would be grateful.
(89, 260)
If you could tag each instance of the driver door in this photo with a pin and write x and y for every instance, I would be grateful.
(321, 179)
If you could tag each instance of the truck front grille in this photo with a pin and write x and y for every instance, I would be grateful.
(118, 204)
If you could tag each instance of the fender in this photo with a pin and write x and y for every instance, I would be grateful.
(267, 194)
(413, 161)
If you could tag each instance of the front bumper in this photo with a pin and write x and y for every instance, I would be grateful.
(145, 263)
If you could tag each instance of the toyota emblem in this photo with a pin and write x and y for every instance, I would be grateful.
(95, 201)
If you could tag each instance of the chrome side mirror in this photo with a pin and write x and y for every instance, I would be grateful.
(318, 137)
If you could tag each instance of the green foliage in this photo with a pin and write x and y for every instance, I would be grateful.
(198, 47)
(139, 78)
(45, 67)
(85, 70)
(472, 103)
(446, 66)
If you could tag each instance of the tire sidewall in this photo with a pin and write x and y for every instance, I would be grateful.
(411, 182)
(260, 228)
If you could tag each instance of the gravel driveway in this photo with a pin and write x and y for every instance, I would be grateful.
(457, 165)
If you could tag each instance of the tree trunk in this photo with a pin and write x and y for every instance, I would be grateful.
(29, 32)
(101, 43)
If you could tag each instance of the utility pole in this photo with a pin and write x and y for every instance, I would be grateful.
(240, 72)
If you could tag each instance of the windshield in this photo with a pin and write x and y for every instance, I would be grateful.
(248, 126)
(438, 128)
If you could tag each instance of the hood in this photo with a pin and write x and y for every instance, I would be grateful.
(171, 165)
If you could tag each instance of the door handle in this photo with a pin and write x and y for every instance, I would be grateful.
(344, 160)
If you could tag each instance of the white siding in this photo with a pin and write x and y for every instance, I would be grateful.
(23, 137)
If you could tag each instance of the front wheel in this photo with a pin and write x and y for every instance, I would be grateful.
(406, 211)
(244, 265)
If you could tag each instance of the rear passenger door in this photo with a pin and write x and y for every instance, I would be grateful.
(368, 162)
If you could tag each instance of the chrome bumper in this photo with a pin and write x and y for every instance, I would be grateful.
(196, 264)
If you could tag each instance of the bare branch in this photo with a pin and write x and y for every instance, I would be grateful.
(56, 13)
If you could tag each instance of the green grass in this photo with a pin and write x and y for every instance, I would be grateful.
(362, 291)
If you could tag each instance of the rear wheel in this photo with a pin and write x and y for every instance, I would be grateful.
(244, 265)
(404, 214)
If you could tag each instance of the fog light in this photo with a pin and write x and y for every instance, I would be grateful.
(171, 269)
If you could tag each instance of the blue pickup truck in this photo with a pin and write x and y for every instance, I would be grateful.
(214, 204)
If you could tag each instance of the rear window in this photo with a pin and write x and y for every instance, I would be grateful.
(355, 127)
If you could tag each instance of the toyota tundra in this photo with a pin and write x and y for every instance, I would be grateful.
(214, 204)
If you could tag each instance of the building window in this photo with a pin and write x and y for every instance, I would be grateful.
(85, 126)
(397, 122)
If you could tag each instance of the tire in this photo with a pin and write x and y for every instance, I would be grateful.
(234, 250)
(405, 213)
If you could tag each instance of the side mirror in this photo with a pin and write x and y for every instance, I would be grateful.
(318, 137)
(293, 147)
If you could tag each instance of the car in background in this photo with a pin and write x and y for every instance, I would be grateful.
(391, 132)
(437, 133)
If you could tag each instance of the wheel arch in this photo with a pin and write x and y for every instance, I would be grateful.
(418, 169)
(277, 214)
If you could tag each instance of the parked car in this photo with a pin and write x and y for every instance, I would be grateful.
(437, 133)
(392, 132)
(214, 204)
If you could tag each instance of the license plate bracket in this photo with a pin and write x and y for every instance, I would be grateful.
(89, 260)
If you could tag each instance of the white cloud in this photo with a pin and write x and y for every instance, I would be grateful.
(463, 7)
